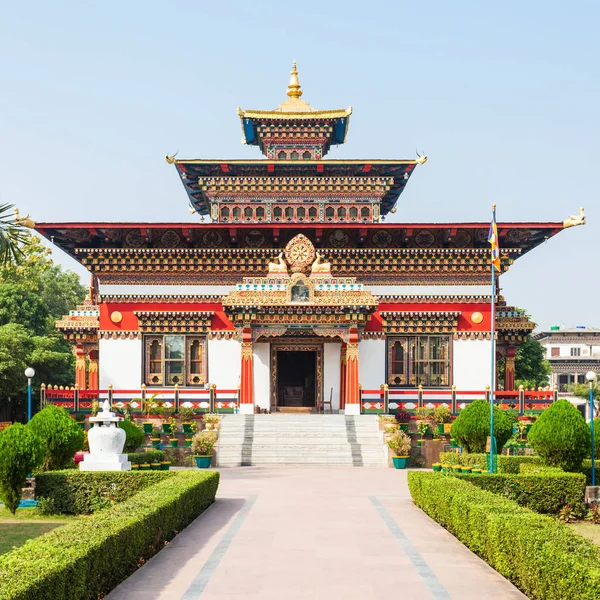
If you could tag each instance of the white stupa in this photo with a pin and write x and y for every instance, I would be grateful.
(106, 440)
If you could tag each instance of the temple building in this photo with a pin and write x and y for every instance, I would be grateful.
(292, 287)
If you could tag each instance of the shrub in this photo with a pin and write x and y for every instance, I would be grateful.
(135, 435)
(187, 414)
(442, 414)
(402, 415)
(545, 492)
(472, 427)
(596, 439)
(399, 442)
(203, 442)
(560, 436)
(467, 460)
(79, 417)
(146, 458)
(541, 556)
(86, 559)
(60, 435)
(512, 464)
(21, 451)
(74, 492)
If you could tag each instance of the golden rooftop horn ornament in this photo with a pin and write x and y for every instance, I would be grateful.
(294, 90)
(574, 220)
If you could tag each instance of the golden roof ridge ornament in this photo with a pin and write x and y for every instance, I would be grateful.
(575, 220)
(294, 90)
(25, 221)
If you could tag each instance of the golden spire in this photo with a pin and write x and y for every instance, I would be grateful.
(294, 90)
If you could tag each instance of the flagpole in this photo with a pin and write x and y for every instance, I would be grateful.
(491, 466)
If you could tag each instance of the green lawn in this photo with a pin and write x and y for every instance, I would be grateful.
(15, 530)
(588, 530)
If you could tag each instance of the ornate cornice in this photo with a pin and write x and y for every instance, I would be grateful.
(419, 321)
(174, 321)
(158, 298)
(120, 335)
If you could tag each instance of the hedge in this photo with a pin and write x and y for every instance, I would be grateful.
(540, 555)
(73, 492)
(506, 464)
(545, 492)
(86, 559)
(143, 458)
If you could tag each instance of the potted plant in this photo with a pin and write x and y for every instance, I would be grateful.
(399, 443)
(202, 447)
(187, 412)
(166, 411)
(173, 432)
(446, 468)
(155, 438)
(211, 421)
(402, 418)
(456, 468)
(149, 407)
(165, 465)
(155, 466)
(467, 470)
(423, 429)
(476, 471)
(144, 466)
(442, 415)
(189, 436)
(436, 466)
(80, 419)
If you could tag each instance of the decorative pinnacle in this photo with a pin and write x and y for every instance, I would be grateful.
(294, 90)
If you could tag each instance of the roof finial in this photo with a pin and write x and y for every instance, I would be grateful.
(294, 90)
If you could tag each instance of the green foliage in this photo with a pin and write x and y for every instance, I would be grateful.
(560, 436)
(544, 492)
(541, 556)
(186, 414)
(61, 436)
(203, 442)
(442, 414)
(12, 235)
(74, 492)
(86, 559)
(135, 435)
(477, 460)
(21, 451)
(596, 440)
(472, 427)
(399, 443)
(531, 367)
(146, 458)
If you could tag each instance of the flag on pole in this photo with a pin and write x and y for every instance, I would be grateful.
(493, 240)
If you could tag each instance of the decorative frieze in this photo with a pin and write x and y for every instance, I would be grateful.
(419, 321)
(174, 321)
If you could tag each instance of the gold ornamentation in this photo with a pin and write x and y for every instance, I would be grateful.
(278, 267)
(116, 316)
(320, 268)
(300, 253)
(574, 220)
(24, 221)
(477, 317)
(246, 351)
(294, 90)
(300, 289)
(421, 159)
(351, 351)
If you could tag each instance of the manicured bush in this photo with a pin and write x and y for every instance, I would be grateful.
(21, 451)
(402, 415)
(512, 464)
(560, 436)
(506, 464)
(472, 427)
(135, 435)
(596, 439)
(146, 458)
(74, 492)
(86, 559)
(442, 414)
(541, 556)
(586, 469)
(60, 434)
(545, 492)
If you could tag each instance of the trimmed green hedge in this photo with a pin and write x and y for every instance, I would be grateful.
(73, 492)
(86, 559)
(512, 464)
(144, 458)
(540, 555)
(506, 464)
(586, 469)
(545, 492)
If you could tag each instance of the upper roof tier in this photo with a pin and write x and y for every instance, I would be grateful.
(294, 130)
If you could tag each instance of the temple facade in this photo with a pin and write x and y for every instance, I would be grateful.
(292, 287)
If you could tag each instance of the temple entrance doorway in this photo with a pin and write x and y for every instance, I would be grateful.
(296, 378)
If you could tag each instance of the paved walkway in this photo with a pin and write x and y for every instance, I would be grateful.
(303, 533)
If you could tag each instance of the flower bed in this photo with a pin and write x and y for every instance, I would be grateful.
(87, 559)
(539, 555)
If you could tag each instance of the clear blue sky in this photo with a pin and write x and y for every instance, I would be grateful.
(503, 97)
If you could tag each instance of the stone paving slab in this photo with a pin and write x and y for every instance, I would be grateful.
(314, 533)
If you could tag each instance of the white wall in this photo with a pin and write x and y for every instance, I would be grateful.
(331, 373)
(472, 364)
(224, 363)
(261, 355)
(371, 363)
(430, 290)
(120, 364)
(141, 289)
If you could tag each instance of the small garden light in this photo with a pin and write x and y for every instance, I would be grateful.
(29, 373)
(591, 377)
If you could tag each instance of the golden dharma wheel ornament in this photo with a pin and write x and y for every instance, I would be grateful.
(477, 317)
(300, 254)
(116, 316)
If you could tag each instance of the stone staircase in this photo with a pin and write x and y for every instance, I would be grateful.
(289, 439)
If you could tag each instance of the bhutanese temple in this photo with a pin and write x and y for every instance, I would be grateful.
(292, 289)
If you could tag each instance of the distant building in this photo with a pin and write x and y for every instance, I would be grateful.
(572, 352)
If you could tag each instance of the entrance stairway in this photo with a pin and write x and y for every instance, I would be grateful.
(289, 439)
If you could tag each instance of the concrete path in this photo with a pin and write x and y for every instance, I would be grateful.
(299, 533)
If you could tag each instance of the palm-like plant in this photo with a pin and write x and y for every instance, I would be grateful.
(12, 234)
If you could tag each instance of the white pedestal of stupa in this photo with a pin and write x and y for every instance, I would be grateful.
(106, 440)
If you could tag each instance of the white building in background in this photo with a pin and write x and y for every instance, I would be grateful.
(572, 352)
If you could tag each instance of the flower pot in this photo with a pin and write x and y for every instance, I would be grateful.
(135, 467)
(208, 426)
(440, 427)
(81, 424)
(453, 444)
(147, 428)
(203, 462)
(447, 427)
(188, 442)
(420, 443)
(390, 427)
(437, 467)
(155, 466)
(476, 471)
(174, 442)
(166, 428)
(144, 467)
(156, 443)
(403, 427)
(456, 469)
(165, 465)
(467, 470)
(187, 427)
(400, 462)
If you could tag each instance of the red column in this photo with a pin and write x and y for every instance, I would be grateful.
(343, 377)
(246, 381)
(93, 383)
(509, 368)
(80, 370)
(352, 406)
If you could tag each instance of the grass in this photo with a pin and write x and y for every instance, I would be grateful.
(588, 530)
(26, 524)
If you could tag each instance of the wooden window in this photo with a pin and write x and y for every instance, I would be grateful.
(575, 351)
(554, 351)
(353, 213)
(295, 155)
(237, 212)
(301, 213)
(289, 213)
(365, 212)
(415, 360)
(225, 213)
(312, 213)
(260, 213)
(277, 212)
(329, 212)
(306, 155)
(341, 213)
(175, 360)
(248, 213)
(281, 155)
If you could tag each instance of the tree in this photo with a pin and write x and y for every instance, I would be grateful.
(561, 437)
(21, 451)
(60, 434)
(135, 435)
(531, 367)
(12, 235)
(582, 390)
(472, 427)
